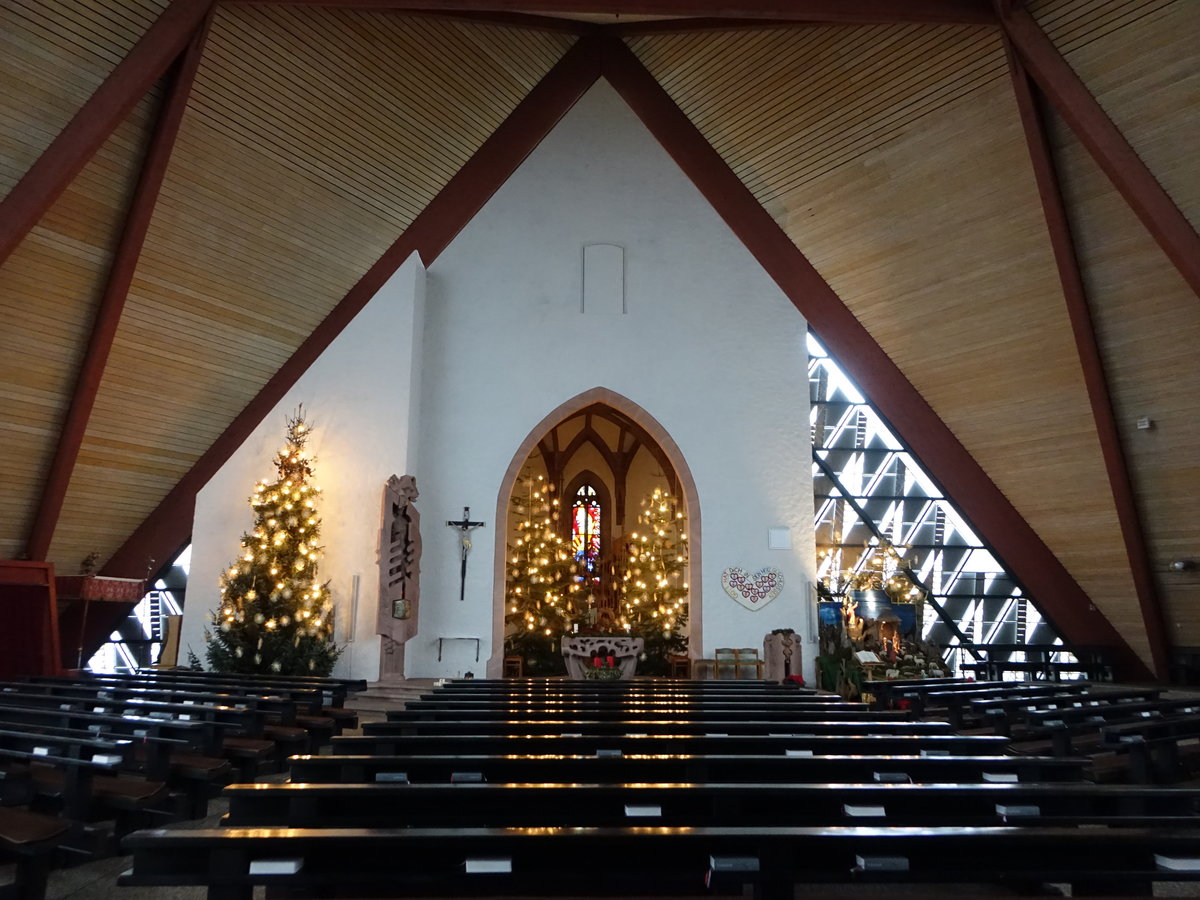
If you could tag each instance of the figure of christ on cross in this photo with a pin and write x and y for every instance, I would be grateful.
(464, 527)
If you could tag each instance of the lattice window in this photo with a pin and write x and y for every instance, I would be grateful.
(869, 487)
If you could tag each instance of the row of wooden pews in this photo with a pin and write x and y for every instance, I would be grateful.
(85, 761)
(1126, 732)
(647, 788)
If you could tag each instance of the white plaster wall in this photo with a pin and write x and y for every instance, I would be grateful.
(360, 396)
(710, 347)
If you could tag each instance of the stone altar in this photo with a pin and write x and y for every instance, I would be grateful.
(580, 649)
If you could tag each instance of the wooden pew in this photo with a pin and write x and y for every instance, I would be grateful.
(29, 839)
(571, 862)
(284, 719)
(1002, 713)
(446, 708)
(430, 744)
(336, 689)
(864, 766)
(1078, 729)
(243, 720)
(1156, 747)
(87, 789)
(648, 725)
(475, 685)
(314, 700)
(275, 709)
(884, 691)
(451, 700)
(954, 703)
(568, 804)
(615, 714)
(211, 738)
(202, 736)
(153, 756)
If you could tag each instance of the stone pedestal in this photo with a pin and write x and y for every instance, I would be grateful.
(783, 656)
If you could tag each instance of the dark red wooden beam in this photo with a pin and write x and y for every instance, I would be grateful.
(47, 178)
(168, 527)
(976, 12)
(1104, 141)
(1035, 566)
(112, 303)
(1091, 362)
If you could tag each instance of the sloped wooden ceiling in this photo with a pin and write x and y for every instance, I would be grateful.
(1142, 64)
(892, 155)
(53, 56)
(312, 139)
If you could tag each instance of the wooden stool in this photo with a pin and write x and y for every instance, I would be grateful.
(514, 667)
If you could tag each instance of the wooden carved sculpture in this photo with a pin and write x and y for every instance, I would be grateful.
(399, 572)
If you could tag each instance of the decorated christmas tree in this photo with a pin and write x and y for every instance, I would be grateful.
(541, 594)
(655, 590)
(274, 615)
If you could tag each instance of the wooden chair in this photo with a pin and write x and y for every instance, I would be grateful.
(679, 667)
(747, 658)
(726, 663)
(514, 667)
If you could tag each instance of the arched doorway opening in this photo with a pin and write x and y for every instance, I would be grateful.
(581, 485)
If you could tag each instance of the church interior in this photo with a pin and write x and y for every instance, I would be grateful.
(752, 443)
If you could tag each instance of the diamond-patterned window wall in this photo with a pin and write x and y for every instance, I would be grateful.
(870, 488)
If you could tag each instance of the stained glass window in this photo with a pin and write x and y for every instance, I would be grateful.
(585, 527)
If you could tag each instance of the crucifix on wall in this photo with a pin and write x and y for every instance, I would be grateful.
(464, 527)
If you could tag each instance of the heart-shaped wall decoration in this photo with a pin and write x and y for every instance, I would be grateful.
(753, 591)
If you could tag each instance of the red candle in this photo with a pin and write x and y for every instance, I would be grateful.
(611, 662)
(596, 661)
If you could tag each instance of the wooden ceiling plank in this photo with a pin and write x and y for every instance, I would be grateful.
(839, 11)
(441, 87)
(379, 111)
(205, 188)
(168, 525)
(526, 21)
(37, 190)
(845, 148)
(1106, 144)
(827, 119)
(108, 315)
(245, 97)
(864, 47)
(733, 56)
(423, 112)
(907, 412)
(1092, 364)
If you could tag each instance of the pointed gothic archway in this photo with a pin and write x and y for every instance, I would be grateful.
(661, 445)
